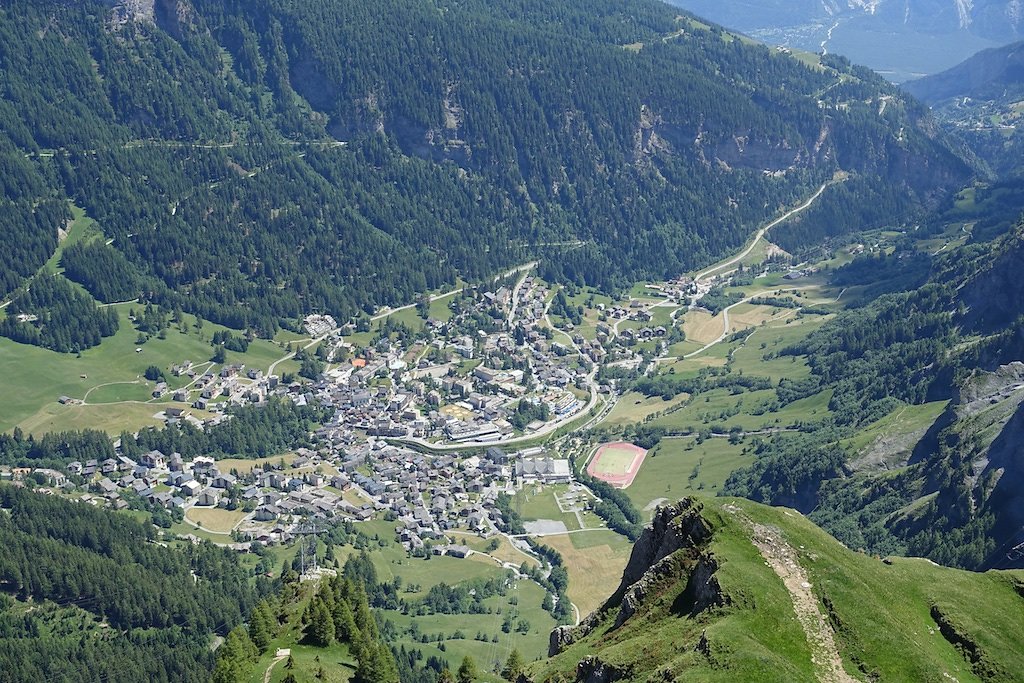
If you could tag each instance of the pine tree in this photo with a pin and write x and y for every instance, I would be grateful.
(234, 657)
(320, 629)
(261, 626)
(468, 672)
(514, 666)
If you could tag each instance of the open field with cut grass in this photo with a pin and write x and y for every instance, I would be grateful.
(634, 407)
(680, 467)
(535, 503)
(109, 418)
(243, 465)
(594, 560)
(217, 520)
(702, 327)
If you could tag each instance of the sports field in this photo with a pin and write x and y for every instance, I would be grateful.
(617, 463)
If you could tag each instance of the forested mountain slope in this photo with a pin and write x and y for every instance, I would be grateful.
(946, 330)
(727, 590)
(252, 161)
(88, 594)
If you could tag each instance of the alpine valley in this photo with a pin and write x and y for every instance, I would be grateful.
(477, 340)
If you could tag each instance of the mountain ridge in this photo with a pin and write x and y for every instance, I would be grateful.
(687, 604)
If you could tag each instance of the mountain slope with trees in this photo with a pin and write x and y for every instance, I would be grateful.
(947, 330)
(250, 162)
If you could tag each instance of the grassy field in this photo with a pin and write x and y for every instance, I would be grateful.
(391, 560)
(903, 422)
(243, 465)
(702, 327)
(337, 661)
(505, 551)
(540, 503)
(216, 520)
(109, 374)
(719, 408)
(81, 229)
(594, 560)
(634, 407)
(523, 599)
(681, 467)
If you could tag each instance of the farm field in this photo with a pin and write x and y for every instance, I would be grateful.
(594, 560)
(216, 520)
(243, 465)
(634, 407)
(702, 327)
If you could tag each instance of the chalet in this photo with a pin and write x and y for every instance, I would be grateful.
(190, 488)
(266, 513)
(209, 497)
(224, 481)
(459, 551)
(153, 459)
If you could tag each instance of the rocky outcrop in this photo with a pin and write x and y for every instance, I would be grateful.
(671, 550)
(593, 670)
(127, 11)
(992, 296)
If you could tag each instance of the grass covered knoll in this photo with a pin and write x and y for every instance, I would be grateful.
(896, 620)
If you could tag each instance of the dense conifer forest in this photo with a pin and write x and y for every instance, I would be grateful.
(251, 162)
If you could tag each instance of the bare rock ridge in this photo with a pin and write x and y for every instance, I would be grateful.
(671, 549)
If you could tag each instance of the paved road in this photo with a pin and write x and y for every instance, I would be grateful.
(760, 234)
(512, 271)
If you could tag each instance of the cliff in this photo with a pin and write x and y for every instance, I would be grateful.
(729, 590)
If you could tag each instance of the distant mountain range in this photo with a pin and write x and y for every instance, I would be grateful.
(901, 39)
(994, 74)
(982, 101)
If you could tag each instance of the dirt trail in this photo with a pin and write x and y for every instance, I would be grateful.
(820, 636)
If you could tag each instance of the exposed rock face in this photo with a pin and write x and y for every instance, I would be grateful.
(126, 11)
(671, 549)
(992, 295)
(593, 670)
